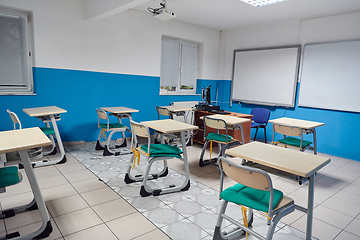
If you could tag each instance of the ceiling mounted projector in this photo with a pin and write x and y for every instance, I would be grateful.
(162, 12)
(165, 15)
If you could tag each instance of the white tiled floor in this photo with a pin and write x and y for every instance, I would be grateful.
(83, 207)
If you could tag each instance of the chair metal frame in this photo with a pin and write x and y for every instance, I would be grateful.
(217, 124)
(286, 130)
(141, 130)
(253, 178)
(171, 138)
(108, 151)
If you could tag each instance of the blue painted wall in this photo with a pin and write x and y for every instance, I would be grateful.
(339, 136)
(80, 92)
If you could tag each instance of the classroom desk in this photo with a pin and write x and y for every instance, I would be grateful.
(233, 123)
(306, 126)
(236, 134)
(177, 110)
(172, 126)
(21, 140)
(289, 161)
(120, 113)
(47, 115)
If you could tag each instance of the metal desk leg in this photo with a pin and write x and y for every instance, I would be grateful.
(2, 159)
(242, 134)
(46, 228)
(116, 151)
(186, 163)
(314, 139)
(310, 207)
(120, 116)
(58, 138)
(53, 144)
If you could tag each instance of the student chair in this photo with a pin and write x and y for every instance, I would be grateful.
(260, 119)
(253, 192)
(224, 141)
(106, 127)
(153, 153)
(171, 138)
(291, 141)
(9, 176)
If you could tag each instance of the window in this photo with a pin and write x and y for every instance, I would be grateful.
(178, 67)
(15, 53)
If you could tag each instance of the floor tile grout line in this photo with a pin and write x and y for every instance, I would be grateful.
(108, 201)
(145, 211)
(173, 209)
(339, 189)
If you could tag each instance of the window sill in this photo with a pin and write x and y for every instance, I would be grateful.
(179, 94)
(17, 94)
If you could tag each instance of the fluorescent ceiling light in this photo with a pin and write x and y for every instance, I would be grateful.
(259, 3)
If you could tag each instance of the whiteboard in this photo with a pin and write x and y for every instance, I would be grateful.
(330, 76)
(266, 76)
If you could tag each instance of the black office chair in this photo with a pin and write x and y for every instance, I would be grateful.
(260, 119)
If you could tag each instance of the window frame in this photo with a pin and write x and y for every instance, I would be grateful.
(27, 56)
(178, 90)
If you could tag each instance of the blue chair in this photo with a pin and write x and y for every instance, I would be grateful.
(260, 119)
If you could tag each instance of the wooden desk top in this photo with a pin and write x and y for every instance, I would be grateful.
(230, 120)
(169, 126)
(43, 111)
(297, 122)
(176, 108)
(119, 109)
(21, 139)
(290, 161)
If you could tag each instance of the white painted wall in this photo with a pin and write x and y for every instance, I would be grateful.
(323, 29)
(128, 42)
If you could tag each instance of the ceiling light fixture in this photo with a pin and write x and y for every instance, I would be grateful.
(259, 3)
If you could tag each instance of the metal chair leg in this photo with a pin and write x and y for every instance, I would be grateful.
(256, 133)
(265, 133)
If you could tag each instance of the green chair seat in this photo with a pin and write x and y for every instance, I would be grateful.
(162, 150)
(112, 125)
(295, 142)
(250, 197)
(9, 176)
(47, 131)
(218, 137)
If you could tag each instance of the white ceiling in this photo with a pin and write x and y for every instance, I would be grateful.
(229, 14)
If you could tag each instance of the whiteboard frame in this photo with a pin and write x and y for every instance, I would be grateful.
(300, 80)
(298, 55)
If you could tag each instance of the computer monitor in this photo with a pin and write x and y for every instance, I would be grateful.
(206, 95)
